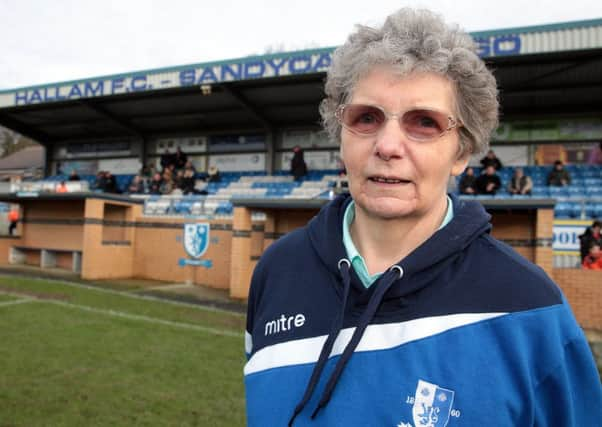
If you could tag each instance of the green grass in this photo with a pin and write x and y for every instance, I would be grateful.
(71, 357)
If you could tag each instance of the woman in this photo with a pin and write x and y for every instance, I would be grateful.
(394, 306)
(520, 183)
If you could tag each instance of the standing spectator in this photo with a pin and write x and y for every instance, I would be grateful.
(468, 182)
(593, 260)
(110, 183)
(488, 182)
(559, 176)
(13, 218)
(520, 183)
(180, 159)
(167, 159)
(595, 155)
(591, 235)
(147, 172)
(298, 165)
(213, 174)
(491, 160)
(74, 176)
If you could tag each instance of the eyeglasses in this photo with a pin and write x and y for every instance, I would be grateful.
(419, 124)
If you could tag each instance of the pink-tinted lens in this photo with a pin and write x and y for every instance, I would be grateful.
(424, 124)
(365, 119)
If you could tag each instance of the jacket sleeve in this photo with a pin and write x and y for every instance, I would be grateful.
(570, 395)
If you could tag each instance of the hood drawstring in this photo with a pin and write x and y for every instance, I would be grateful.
(393, 274)
(344, 266)
(382, 286)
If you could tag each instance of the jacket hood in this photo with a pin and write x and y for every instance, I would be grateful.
(423, 264)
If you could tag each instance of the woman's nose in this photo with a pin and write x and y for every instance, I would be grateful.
(390, 140)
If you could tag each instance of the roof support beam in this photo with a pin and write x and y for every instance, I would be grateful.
(125, 124)
(248, 106)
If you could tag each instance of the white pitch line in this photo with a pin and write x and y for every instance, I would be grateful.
(144, 318)
(19, 301)
(129, 294)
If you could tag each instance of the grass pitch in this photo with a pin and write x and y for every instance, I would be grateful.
(72, 355)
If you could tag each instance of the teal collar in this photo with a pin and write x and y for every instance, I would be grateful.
(357, 261)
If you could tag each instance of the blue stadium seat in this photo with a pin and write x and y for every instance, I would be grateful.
(540, 192)
(563, 210)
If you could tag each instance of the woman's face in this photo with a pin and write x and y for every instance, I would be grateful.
(391, 176)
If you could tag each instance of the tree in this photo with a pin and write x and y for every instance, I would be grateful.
(11, 142)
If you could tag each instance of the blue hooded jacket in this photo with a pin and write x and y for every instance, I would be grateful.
(461, 332)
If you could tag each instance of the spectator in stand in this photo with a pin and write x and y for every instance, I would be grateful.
(136, 185)
(167, 184)
(74, 176)
(147, 172)
(187, 182)
(62, 187)
(100, 182)
(167, 159)
(593, 260)
(491, 160)
(488, 182)
(591, 235)
(520, 183)
(595, 155)
(298, 165)
(13, 218)
(110, 183)
(468, 182)
(180, 159)
(213, 174)
(190, 166)
(179, 180)
(559, 176)
(155, 184)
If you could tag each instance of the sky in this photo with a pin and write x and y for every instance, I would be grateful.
(43, 41)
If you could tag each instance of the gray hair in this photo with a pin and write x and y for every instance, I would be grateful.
(417, 41)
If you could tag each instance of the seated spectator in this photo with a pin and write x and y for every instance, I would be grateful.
(591, 235)
(520, 183)
(74, 176)
(559, 176)
(136, 185)
(167, 184)
(468, 182)
(155, 184)
(488, 182)
(213, 174)
(62, 187)
(593, 260)
(100, 182)
(491, 160)
(190, 166)
(187, 182)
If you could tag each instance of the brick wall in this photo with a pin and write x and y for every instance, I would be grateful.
(583, 289)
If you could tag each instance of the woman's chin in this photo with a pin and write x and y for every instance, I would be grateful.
(386, 208)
